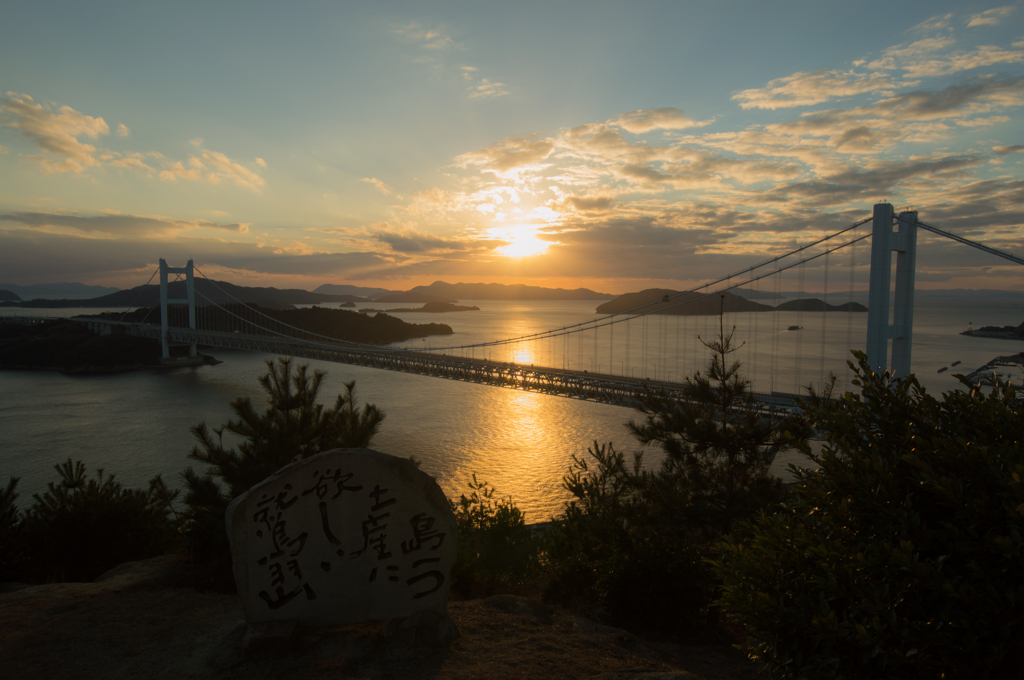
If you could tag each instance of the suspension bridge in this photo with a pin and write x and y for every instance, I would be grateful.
(579, 360)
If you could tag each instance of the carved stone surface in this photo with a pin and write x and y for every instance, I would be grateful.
(346, 536)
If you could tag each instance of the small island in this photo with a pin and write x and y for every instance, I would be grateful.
(1004, 332)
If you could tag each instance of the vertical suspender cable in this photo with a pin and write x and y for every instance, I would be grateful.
(824, 328)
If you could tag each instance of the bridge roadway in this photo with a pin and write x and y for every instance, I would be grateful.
(601, 388)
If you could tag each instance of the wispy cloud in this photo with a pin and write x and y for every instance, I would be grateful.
(55, 130)
(646, 120)
(381, 186)
(437, 48)
(1003, 150)
(214, 167)
(481, 88)
(806, 89)
(991, 17)
(115, 224)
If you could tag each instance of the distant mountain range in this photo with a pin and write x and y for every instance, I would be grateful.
(149, 296)
(56, 291)
(338, 289)
(441, 291)
(843, 294)
(663, 302)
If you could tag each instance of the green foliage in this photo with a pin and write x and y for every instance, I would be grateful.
(497, 551)
(634, 541)
(624, 545)
(82, 526)
(11, 542)
(294, 426)
(900, 556)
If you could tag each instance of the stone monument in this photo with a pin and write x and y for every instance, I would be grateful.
(346, 536)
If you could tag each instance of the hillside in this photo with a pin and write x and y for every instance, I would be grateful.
(149, 295)
(57, 291)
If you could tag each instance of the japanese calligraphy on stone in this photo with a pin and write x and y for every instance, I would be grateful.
(346, 536)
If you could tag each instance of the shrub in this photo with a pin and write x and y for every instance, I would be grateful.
(81, 527)
(634, 541)
(294, 426)
(11, 542)
(625, 545)
(497, 552)
(900, 556)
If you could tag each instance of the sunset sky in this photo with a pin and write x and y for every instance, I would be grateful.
(609, 145)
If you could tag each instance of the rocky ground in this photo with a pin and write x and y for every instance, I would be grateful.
(134, 623)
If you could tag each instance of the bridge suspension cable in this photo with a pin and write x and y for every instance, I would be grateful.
(966, 241)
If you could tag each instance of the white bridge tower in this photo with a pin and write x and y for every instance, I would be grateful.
(885, 239)
(190, 300)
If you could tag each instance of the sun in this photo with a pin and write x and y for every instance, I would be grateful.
(523, 244)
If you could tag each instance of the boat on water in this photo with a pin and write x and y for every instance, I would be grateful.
(794, 328)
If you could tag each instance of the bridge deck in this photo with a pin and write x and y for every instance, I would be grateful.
(602, 388)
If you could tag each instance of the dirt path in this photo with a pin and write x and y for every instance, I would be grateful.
(135, 625)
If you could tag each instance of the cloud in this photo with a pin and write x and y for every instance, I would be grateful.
(412, 241)
(123, 131)
(485, 89)
(936, 23)
(991, 17)
(55, 132)
(260, 162)
(115, 225)
(509, 155)
(213, 167)
(1003, 150)
(924, 67)
(381, 186)
(806, 89)
(429, 39)
(645, 120)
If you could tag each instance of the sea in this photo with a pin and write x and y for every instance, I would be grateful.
(136, 425)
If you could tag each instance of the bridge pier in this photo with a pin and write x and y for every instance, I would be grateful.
(190, 300)
(885, 240)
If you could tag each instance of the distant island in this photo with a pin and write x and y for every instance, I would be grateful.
(340, 324)
(414, 296)
(1005, 332)
(663, 301)
(71, 347)
(430, 308)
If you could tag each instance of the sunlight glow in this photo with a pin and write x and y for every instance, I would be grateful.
(523, 243)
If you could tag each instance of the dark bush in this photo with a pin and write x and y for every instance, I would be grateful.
(625, 545)
(634, 542)
(294, 426)
(12, 557)
(497, 551)
(901, 555)
(81, 527)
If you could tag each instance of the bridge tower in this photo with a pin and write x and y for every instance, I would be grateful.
(886, 238)
(190, 300)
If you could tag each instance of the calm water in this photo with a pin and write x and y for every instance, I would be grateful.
(137, 424)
